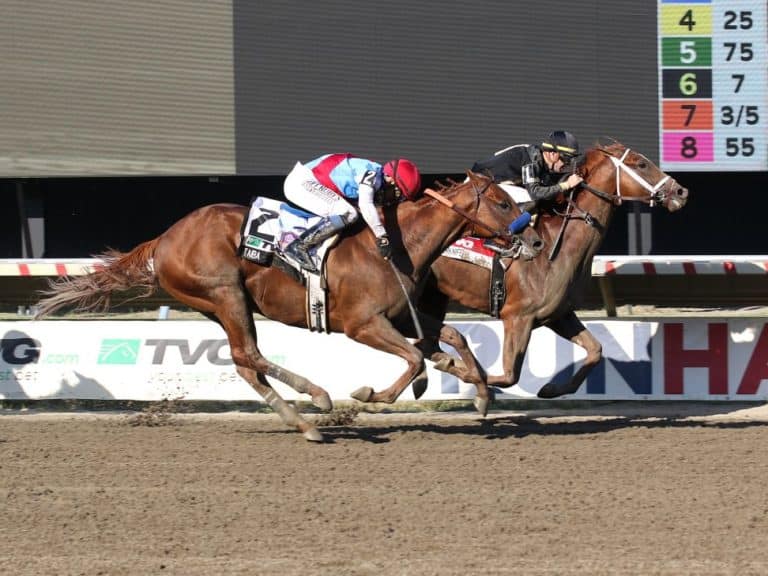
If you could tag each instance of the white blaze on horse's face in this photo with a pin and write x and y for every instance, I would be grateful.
(653, 189)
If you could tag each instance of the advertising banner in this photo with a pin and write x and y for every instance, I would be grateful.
(685, 359)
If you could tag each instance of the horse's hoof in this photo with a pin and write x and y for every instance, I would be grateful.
(323, 401)
(481, 404)
(313, 434)
(549, 391)
(363, 394)
(419, 387)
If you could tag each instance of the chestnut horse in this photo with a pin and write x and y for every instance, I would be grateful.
(196, 261)
(544, 292)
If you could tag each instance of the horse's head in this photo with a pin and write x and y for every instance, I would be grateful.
(618, 173)
(489, 212)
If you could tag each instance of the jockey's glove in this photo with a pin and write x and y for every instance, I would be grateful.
(385, 249)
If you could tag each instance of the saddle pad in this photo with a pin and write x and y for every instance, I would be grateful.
(470, 249)
(269, 223)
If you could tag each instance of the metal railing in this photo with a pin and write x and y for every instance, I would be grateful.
(688, 281)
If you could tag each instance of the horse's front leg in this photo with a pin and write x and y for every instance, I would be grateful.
(379, 333)
(571, 328)
(517, 335)
(466, 369)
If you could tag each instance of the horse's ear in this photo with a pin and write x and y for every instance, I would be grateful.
(475, 175)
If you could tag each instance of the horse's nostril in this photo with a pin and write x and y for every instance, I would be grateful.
(683, 192)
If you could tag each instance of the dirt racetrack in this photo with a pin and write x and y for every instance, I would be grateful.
(641, 490)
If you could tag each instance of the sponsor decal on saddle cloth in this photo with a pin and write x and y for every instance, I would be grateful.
(471, 250)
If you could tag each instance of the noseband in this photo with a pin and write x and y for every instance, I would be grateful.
(655, 193)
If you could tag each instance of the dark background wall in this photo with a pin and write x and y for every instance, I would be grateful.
(120, 119)
(725, 215)
(439, 81)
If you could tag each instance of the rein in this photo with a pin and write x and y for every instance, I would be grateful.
(589, 220)
(466, 215)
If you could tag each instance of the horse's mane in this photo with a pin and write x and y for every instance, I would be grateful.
(611, 147)
(450, 183)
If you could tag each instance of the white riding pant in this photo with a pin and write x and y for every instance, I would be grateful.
(302, 188)
(517, 193)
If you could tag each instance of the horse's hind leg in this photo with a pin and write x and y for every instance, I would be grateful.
(320, 397)
(235, 317)
(287, 413)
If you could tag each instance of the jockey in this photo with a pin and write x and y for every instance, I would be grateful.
(329, 185)
(535, 172)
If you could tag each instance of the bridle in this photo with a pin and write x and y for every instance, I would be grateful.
(655, 193)
(476, 222)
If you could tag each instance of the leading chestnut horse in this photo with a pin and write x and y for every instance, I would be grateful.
(196, 261)
(545, 292)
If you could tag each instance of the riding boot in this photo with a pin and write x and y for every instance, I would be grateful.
(299, 248)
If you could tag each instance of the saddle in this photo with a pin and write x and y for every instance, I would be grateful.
(480, 253)
(267, 229)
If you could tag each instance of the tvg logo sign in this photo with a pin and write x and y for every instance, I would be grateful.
(121, 351)
(211, 349)
(125, 351)
(20, 351)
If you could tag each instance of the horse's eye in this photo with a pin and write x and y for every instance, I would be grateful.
(504, 205)
(642, 165)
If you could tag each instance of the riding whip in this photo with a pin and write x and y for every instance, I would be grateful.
(414, 317)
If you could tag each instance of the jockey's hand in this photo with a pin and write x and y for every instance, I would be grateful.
(385, 249)
(573, 180)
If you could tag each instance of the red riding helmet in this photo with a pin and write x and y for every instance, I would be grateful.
(406, 177)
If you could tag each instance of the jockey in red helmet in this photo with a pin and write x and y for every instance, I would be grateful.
(332, 184)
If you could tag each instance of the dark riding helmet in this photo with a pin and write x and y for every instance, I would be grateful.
(563, 142)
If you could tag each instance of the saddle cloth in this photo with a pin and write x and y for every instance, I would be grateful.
(271, 223)
(471, 250)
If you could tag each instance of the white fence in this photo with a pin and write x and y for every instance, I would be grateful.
(601, 266)
(659, 280)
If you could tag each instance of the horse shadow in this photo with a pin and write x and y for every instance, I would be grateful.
(521, 426)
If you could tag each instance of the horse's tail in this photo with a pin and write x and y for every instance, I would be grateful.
(120, 272)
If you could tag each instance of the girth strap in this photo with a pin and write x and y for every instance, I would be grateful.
(497, 292)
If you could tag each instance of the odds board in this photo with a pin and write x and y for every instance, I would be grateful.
(713, 82)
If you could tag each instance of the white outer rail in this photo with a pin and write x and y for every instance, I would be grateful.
(601, 265)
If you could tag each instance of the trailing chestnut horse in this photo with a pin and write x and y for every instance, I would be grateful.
(196, 261)
(542, 292)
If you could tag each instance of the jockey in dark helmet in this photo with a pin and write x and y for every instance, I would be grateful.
(534, 172)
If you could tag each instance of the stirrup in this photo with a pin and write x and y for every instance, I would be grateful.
(300, 257)
(511, 252)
